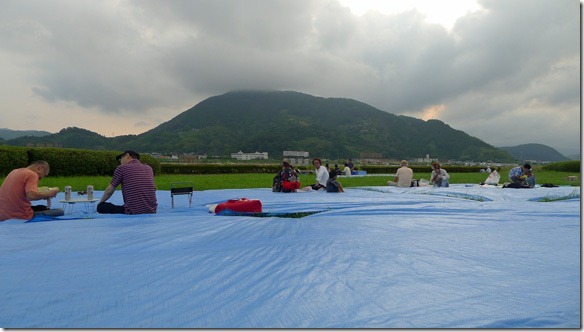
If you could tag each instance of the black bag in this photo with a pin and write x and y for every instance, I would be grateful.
(516, 186)
(548, 185)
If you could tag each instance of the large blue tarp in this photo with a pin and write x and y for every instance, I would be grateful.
(376, 257)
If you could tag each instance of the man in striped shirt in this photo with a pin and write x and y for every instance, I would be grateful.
(138, 188)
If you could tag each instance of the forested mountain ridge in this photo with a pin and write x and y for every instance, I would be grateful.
(7, 134)
(534, 151)
(275, 121)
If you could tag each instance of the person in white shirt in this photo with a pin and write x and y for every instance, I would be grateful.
(403, 176)
(347, 170)
(322, 175)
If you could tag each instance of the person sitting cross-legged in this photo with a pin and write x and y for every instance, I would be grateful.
(138, 188)
(20, 187)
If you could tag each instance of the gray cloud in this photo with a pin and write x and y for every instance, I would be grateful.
(511, 62)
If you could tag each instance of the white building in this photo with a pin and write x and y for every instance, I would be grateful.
(249, 156)
(424, 160)
(297, 158)
(296, 154)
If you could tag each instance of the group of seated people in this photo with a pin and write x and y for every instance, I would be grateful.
(404, 176)
(20, 188)
(287, 179)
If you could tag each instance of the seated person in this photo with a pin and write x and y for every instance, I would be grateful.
(20, 187)
(138, 188)
(403, 176)
(439, 176)
(347, 170)
(521, 177)
(322, 175)
(332, 185)
(286, 180)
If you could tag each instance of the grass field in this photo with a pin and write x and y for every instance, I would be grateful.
(239, 181)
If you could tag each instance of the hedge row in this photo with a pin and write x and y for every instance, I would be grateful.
(11, 158)
(274, 168)
(76, 162)
(66, 162)
(564, 166)
(219, 168)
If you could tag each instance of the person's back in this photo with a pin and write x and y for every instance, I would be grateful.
(332, 185)
(405, 176)
(347, 170)
(138, 188)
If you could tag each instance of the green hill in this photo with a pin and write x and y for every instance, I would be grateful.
(7, 134)
(538, 152)
(274, 121)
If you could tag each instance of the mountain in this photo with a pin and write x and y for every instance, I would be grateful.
(74, 137)
(574, 157)
(274, 121)
(532, 151)
(8, 134)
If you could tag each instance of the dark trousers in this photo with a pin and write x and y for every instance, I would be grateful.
(42, 210)
(105, 207)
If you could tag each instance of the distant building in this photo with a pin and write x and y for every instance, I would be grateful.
(295, 154)
(371, 158)
(424, 160)
(249, 156)
(297, 158)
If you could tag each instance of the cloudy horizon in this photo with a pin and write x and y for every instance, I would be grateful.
(506, 72)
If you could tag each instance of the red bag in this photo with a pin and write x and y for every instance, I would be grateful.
(290, 185)
(240, 205)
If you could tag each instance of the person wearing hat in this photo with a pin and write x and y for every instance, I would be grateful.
(138, 188)
(403, 176)
(522, 176)
(439, 176)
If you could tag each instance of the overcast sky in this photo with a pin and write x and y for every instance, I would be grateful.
(505, 71)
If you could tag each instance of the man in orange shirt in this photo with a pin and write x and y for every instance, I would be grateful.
(20, 187)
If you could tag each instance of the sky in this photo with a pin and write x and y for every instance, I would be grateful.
(504, 71)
